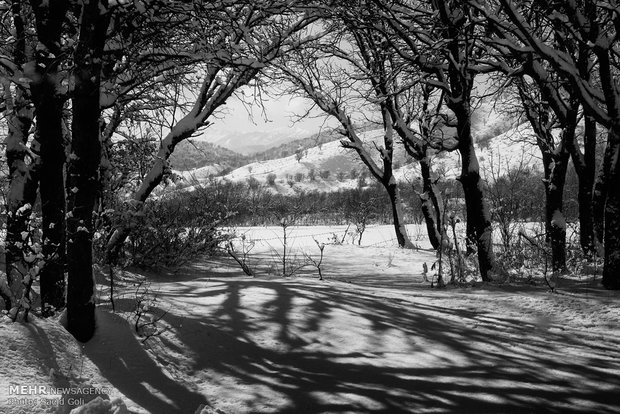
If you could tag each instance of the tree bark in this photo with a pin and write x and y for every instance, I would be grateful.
(48, 103)
(554, 205)
(82, 177)
(431, 208)
(389, 181)
(396, 204)
(478, 214)
(585, 167)
(611, 271)
(22, 178)
(599, 194)
(21, 196)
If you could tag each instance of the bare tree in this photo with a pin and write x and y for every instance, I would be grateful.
(440, 39)
(244, 43)
(589, 30)
(321, 74)
(410, 102)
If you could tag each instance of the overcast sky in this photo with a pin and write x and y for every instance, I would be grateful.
(280, 114)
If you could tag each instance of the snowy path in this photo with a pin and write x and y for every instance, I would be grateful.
(301, 345)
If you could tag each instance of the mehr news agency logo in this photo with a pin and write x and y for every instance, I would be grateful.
(44, 395)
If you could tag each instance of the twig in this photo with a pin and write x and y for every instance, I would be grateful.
(544, 251)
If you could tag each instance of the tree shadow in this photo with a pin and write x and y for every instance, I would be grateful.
(124, 362)
(295, 354)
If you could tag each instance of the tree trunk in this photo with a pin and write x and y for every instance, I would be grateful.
(49, 118)
(48, 108)
(19, 119)
(431, 208)
(585, 167)
(599, 195)
(21, 196)
(554, 215)
(478, 213)
(389, 181)
(399, 226)
(82, 177)
(611, 271)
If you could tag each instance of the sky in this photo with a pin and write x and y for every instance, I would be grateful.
(239, 125)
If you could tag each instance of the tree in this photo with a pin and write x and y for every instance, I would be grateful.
(441, 40)
(555, 158)
(419, 144)
(83, 169)
(19, 115)
(360, 209)
(48, 97)
(511, 191)
(591, 26)
(405, 98)
(540, 86)
(245, 41)
(314, 73)
(86, 40)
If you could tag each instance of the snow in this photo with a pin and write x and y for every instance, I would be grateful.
(373, 336)
(42, 355)
(511, 149)
(558, 220)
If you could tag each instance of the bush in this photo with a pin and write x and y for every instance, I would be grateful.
(253, 183)
(361, 181)
(170, 232)
(271, 179)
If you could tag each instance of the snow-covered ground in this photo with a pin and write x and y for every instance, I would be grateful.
(372, 337)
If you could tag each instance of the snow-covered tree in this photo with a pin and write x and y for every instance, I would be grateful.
(19, 116)
(441, 40)
(337, 85)
(581, 46)
(240, 41)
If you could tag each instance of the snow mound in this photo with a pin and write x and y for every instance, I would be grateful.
(43, 369)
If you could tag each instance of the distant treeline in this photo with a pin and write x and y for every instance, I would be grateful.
(255, 205)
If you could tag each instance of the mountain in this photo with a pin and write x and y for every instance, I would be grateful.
(248, 143)
(192, 154)
(320, 163)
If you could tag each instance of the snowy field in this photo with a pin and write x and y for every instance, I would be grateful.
(373, 337)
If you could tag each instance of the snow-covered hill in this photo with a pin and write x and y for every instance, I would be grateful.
(330, 167)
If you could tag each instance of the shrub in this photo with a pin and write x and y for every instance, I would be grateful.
(170, 232)
(361, 181)
(253, 183)
(312, 174)
(271, 179)
(299, 154)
